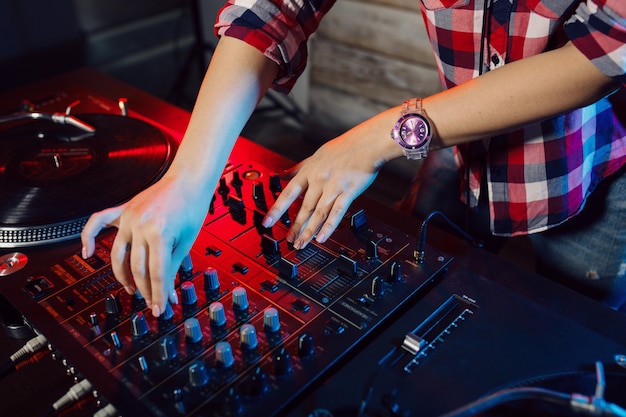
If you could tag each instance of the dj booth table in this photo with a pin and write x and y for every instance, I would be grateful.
(353, 327)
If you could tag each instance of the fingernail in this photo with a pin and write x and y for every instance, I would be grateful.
(320, 238)
(156, 311)
(130, 290)
(298, 244)
(267, 222)
(84, 252)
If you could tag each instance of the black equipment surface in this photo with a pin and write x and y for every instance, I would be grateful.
(352, 327)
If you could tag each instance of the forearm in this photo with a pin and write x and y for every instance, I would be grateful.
(502, 100)
(237, 78)
(517, 94)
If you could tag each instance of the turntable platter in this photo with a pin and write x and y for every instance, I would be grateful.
(53, 177)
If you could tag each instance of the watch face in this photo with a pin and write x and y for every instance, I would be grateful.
(413, 130)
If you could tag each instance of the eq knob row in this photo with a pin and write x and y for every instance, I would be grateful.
(211, 281)
(217, 314)
(217, 318)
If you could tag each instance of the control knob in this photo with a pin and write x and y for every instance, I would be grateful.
(217, 314)
(305, 345)
(211, 281)
(282, 362)
(248, 337)
(198, 376)
(139, 324)
(112, 305)
(167, 348)
(224, 355)
(188, 293)
(193, 332)
(271, 322)
(240, 299)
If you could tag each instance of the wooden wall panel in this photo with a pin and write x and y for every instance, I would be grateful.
(388, 30)
(366, 57)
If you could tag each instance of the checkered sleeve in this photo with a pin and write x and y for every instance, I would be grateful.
(278, 28)
(598, 30)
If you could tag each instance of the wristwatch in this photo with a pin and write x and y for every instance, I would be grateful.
(413, 130)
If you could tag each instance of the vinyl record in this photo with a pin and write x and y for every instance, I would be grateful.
(53, 177)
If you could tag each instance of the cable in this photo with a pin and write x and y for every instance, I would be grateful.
(420, 246)
(32, 346)
(594, 405)
(76, 392)
(108, 411)
(508, 395)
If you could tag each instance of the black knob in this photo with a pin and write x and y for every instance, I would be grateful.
(139, 324)
(305, 345)
(211, 281)
(116, 340)
(395, 272)
(232, 403)
(378, 287)
(371, 251)
(258, 195)
(198, 376)
(138, 303)
(143, 364)
(223, 190)
(237, 209)
(93, 319)
(258, 382)
(188, 293)
(282, 362)
(347, 265)
(237, 183)
(167, 348)
(112, 304)
(270, 249)
(275, 185)
(167, 314)
(185, 271)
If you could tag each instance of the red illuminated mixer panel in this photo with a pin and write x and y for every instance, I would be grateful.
(258, 322)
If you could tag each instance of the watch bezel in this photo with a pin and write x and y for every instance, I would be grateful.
(398, 126)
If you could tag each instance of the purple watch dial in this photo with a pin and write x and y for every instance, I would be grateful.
(414, 131)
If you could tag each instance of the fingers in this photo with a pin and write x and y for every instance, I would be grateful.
(291, 192)
(120, 263)
(320, 220)
(320, 213)
(136, 264)
(94, 225)
(162, 266)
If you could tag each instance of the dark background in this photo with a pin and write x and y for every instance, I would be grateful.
(150, 44)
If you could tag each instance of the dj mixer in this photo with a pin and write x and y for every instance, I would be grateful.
(357, 326)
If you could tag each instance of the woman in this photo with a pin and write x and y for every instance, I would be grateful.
(529, 105)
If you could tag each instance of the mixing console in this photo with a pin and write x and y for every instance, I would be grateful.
(257, 320)
(352, 327)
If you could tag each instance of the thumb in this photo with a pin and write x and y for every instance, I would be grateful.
(95, 224)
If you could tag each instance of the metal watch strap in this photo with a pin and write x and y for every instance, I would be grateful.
(414, 105)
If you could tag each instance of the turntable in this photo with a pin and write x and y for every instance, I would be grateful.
(56, 169)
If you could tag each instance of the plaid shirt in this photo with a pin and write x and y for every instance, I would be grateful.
(537, 177)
